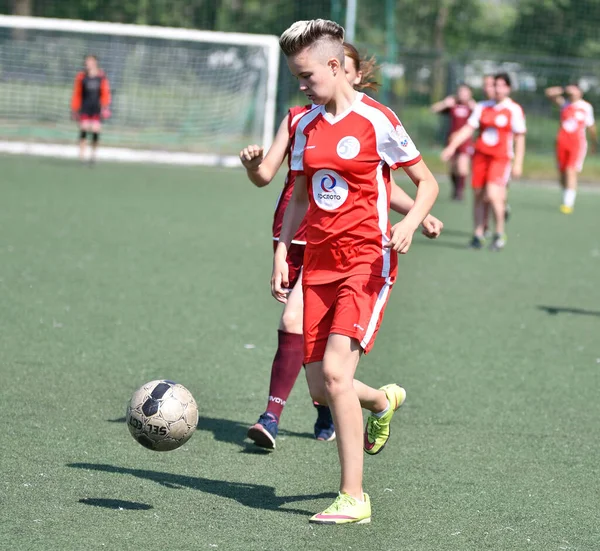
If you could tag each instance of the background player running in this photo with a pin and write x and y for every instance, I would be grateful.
(343, 152)
(576, 116)
(458, 108)
(500, 122)
(289, 356)
(90, 104)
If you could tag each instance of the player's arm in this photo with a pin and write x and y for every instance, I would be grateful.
(401, 202)
(517, 169)
(294, 214)
(443, 105)
(456, 140)
(593, 134)
(555, 95)
(77, 95)
(427, 192)
(261, 170)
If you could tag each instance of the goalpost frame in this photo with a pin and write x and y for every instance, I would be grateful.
(166, 33)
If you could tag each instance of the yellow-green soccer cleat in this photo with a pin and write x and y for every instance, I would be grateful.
(377, 431)
(566, 210)
(345, 510)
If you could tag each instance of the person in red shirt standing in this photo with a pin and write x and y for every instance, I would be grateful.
(499, 150)
(458, 108)
(576, 117)
(90, 104)
(261, 170)
(344, 150)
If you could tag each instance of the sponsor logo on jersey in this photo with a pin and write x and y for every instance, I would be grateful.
(330, 190)
(570, 125)
(490, 136)
(501, 120)
(400, 136)
(348, 147)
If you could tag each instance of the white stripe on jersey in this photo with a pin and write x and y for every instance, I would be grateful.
(297, 154)
(379, 304)
(382, 216)
(388, 139)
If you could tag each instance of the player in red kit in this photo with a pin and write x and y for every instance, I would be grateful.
(576, 117)
(261, 170)
(458, 108)
(344, 150)
(499, 150)
(90, 103)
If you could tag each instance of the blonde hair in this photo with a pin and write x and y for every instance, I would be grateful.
(303, 34)
(367, 67)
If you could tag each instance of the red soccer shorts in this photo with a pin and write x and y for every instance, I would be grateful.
(489, 170)
(465, 148)
(571, 154)
(353, 307)
(295, 259)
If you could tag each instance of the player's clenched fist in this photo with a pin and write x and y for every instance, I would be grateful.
(279, 279)
(252, 156)
(401, 237)
(432, 227)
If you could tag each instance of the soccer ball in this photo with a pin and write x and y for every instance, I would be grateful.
(162, 415)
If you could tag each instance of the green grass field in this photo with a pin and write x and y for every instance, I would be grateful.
(118, 275)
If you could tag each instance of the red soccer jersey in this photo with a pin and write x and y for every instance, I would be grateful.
(459, 115)
(294, 115)
(346, 161)
(497, 123)
(574, 119)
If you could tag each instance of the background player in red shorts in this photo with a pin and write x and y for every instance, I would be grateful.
(289, 356)
(576, 116)
(501, 124)
(458, 108)
(343, 152)
(90, 103)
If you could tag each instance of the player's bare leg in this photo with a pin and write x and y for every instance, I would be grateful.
(334, 377)
(84, 129)
(569, 190)
(497, 198)
(96, 128)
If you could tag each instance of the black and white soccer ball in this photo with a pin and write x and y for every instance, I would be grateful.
(162, 415)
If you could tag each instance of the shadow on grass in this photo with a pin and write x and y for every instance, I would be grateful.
(256, 496)
(118, 504)
(555, 310)
(232, 432)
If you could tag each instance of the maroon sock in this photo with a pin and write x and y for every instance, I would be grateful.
(460, 186)
(286, 366)
(454, 179)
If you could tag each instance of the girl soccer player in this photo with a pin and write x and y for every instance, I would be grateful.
(343, 151)
(90, 104)
(500, 122)
(289, 356)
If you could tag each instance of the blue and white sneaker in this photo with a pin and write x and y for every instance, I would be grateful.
(264, 432)
(324, 429)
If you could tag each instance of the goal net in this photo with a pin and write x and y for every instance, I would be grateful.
(178, 95)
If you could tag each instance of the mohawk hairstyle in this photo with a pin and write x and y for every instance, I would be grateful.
(303, 34)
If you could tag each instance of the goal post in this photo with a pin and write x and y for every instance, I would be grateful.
(179, 95)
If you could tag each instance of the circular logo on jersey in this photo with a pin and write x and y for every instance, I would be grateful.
(348, 147)
(461, 111)
(501, 120)
(569, 125)
(330, 190)
(490, 136)
(579, 115)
